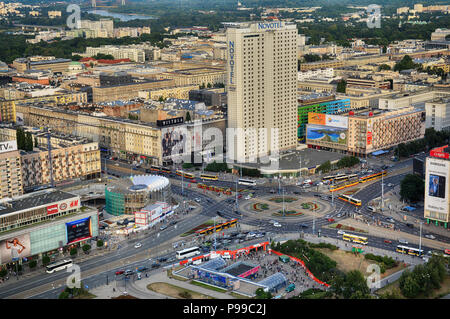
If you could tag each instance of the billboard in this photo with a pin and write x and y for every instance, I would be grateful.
(8, 146)
(15, 248)
(329, 134)
(63, 206)
(316, 118)
(78, 230)
(174, 141)
(436, 185)
(328, 120)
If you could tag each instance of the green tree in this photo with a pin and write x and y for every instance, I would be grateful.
(99, 243)
(36, 144)
(384, 67)
(45, 260)
(86, 248)
(341, 86)
(188, 116)
(3, 272)
(32, 264)
(355, 286)
(405, 63)
(412, 188)
(73, 251)
(261, 294)
(324, 167)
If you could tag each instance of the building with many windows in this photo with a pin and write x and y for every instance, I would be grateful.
(44, 222)
(262, 88)
(10, 170)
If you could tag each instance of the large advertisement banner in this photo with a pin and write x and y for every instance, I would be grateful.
(436, 185)
(79, 230)
(322, 133)
(316, 118)
(14, 248)
(328, 120)
(175, 142)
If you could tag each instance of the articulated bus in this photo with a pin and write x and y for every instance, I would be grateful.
(219, 227)
(246, 182)
(326, 179)
(334, 188)
(185, 175)
(165, 170)
(409, 250)
(59, 265)
(210, 177)
(371, 177)
(188, 252)
(355, 239)
(155, 168)
(351, 200)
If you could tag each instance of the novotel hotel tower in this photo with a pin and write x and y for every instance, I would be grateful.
(262, 88)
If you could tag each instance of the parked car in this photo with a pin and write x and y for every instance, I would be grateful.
(162, 259)
(387, 241)
(163, 227)
(138, 245)
(276, 224)
(429, 236)
(119, 272)
(155, 265)
(128, 272)
(142, 268)
(330, 220)
(341, 232)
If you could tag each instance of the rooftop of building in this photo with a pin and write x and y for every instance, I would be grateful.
(138, 183)
(32, 200)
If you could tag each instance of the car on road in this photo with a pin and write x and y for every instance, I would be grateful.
(410, 225)
(198, 200)
(162, 259)
(173, 222)
(155, 265)
(163, 227)
(277, 224)
(128, 272)
(403, 241)
(429, 236)
(142, 269)
(259, 235)
(116, 164)
(119, 272)
(138, 245)
(302, 225)
(387, 241)
(296, 192)
(330, 220)
(390, 184)
(341, 232)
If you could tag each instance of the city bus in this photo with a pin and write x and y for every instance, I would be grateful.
(185, 175)
(327, 179)
(165, 170)
(155, 168)
(355, 238)
(59, 265)
(210, 177)
(242, 181)
(409, 250)
(349, 199)
(188, 252)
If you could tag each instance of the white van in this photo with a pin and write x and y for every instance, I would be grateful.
(403, 241)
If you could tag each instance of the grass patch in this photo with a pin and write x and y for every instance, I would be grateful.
(175, 291)
(280, 199)
(200, 284)
(239, 296)
(287, 213)
(125, 297)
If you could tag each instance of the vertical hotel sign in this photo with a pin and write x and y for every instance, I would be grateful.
(231, 64)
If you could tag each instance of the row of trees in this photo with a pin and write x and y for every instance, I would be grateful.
(217, 167)
(346, 161)
(423, 278)
(412, 188)
(25, 140)
(431, 140)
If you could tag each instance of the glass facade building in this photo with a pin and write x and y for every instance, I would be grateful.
(331, 107)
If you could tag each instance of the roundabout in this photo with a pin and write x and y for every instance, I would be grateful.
(293, 209)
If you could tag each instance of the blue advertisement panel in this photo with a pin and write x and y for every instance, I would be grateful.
(79, 230)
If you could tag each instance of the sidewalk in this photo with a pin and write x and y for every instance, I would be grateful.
(139, 289)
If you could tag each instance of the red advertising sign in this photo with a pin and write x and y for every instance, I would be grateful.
(52, 209)
(439, 152)
(369, 138)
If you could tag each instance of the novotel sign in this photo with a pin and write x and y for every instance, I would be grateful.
(271, 25)
(231, 60)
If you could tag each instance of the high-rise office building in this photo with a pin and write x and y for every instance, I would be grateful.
(10, 170)
(262, 87)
